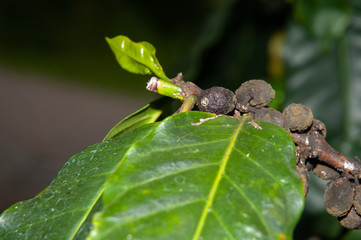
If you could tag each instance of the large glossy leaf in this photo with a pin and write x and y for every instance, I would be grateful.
(328, 81)
(136, 57)
(178, 179)
(64, 209)
(218, 179)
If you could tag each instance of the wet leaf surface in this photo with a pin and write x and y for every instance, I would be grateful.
(220, 179)
(60, 211)
(181, 178)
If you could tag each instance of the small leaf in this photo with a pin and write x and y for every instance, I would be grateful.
(64, 209)
(136, 57)
(147, 114)
(217, 179)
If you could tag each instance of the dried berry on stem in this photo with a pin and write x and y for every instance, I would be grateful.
(217, 100)
(338, 197)
(254, 94)
(298, 117)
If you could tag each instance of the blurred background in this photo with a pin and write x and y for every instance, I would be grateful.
(62, 90)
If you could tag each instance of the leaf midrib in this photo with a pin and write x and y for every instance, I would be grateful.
(217, 180)
(103, 187)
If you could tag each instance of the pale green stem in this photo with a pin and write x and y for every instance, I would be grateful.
(188, 104)
(165, 88)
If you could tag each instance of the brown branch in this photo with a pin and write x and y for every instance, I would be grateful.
(317, 146)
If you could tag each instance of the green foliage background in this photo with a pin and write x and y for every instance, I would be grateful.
(214, 43)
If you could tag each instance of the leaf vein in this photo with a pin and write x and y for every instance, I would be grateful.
(149, 180)
(250, 203)
(181, 147)
(222, 225)
(46, 219)
(269, 174)
(217, 180)
(118, 224)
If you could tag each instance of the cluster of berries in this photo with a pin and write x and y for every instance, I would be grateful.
(253, 97)
(343, 193)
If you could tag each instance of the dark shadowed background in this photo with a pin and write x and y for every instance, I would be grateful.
(60, 86)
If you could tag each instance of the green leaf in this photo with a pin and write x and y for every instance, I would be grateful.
(177, 179)
(147, 114)
(135, 57)
(64, 209)
(218, 179)
(325, 19)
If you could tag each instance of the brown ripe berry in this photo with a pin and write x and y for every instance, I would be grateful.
(298, 117)
(217, 100)
(254, 93)
(352, 220)
(357, 200)
(338, 197)
(270, 115)
(325, 172)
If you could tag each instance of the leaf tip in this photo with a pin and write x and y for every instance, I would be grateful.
(107, 39)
